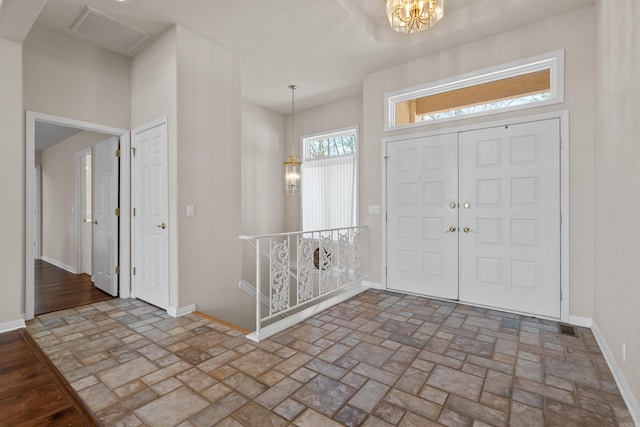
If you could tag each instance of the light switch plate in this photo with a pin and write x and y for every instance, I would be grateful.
(191, 210)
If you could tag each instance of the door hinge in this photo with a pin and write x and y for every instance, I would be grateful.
(117, 152)
(117, 212)
(560, 294)
(134, 271)
(134, 211)
(133, 151)
(117, 269)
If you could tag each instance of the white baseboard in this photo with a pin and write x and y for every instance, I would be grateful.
(373, 285)
(585, 322)
(60, 264)
(181, 311)
(300, 316)
(12, 325)
(625, 390)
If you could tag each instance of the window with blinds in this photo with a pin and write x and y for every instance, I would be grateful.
(329, 180)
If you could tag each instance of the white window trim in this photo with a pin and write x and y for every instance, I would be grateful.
(554, 61)
(328, 134)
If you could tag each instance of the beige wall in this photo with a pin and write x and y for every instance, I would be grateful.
(328, 117)
(154, 91)
(11, 183)
(263, 152)
(70, 78)
(196, 84)
(59, 228)
(209, 146)
(617, 199)
(263, 196)
(573, 32)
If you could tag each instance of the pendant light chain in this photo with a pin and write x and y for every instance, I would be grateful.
(293, 114)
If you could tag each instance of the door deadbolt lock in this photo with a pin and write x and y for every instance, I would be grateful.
(163, 226)
(452, 205)
(467, 205)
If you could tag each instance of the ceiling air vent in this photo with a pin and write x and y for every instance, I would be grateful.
(108, 32)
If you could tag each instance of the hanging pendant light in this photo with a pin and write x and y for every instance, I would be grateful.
(292, 165)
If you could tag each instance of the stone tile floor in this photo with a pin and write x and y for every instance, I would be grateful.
(379, 359)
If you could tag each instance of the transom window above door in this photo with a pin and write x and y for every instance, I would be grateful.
(531, 82)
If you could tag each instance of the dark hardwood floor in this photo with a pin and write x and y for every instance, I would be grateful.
(32, 392)
(57, 289)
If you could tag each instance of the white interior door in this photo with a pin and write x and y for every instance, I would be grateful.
(422, 216)
(150, 220)
(510, 207)
(105, 222)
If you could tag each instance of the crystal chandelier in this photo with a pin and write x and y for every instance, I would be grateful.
(292, 165)
(410, 16)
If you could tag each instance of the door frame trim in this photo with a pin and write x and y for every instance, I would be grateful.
(38, 212)
(81, 197)
(125, 219)
(563, 117)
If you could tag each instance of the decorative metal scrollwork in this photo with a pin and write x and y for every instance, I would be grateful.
(343, 259)
(358, 272)
(305, 266)
(326, 268)
(279, 276)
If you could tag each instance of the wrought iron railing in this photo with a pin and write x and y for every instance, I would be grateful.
(304, 268)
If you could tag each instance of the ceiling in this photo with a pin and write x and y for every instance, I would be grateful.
(48, 134)
(326, 47)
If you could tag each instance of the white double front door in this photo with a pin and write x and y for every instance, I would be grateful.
(475, 216)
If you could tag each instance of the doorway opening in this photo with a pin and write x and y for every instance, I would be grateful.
(76, 211)
(84, 200)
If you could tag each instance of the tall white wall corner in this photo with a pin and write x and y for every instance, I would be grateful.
(181, 311)
(625, 390)
(12, 325)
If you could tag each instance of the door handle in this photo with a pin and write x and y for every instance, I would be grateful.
(452, 205)
(468, 230)
(95, 221)
(163, 226)
(451, 229)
